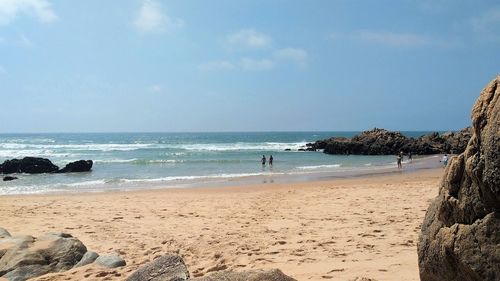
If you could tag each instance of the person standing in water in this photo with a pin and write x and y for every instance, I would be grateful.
(410, 156)
(263, 160)
(399, 158)
(445, 160)
(271, 160)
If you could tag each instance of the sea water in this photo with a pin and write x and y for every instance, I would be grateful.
(125, 161)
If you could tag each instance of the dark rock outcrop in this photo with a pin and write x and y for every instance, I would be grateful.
(29, 165)
(77, 166)
(383, 142)
(164, 268)
(36, 165)
(9, 178)
(26, 256)
(460, 237)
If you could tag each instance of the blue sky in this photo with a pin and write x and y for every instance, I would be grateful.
(270, 65)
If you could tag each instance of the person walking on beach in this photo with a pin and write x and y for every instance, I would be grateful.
(271, 160)
(263, 160)
(399, 158)
(444, 160)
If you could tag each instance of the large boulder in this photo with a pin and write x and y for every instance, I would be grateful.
(29, 165)
(460, 237)
(250, 275)
(26, 256)
(164, 268)
(77, 166)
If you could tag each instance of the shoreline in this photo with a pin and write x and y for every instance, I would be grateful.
(315, 230)
(426, 162)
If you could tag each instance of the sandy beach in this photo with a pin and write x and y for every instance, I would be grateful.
(338, 229)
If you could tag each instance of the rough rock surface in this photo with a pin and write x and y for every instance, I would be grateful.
(77, 166)
(88, 258)
(4, 233)
(172, 268)
(250, 275)
(110, 261)
(164, 268)
(383, 142)
(25, 257)
(460, 237)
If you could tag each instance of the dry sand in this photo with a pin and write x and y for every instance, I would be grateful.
(337, 229)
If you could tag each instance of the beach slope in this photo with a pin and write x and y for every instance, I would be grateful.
(337, 229)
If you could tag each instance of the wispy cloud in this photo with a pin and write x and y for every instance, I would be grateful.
(216, 66)
(249, 64)
(298, 56)
(152, 18)
(488, 24)
(434, 6)
(155, 88)
(40, 9)
(392, 39)
(25, 41)
(20, 40)
(249, 38)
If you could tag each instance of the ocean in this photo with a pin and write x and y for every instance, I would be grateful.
(127, 161)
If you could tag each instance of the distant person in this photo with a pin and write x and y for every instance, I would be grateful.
(271, 160)
(263, 160)
(410, 157)
(444, 160)
(399, 158)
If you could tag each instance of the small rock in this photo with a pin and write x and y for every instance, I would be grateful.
(88, 258)
(250, 275)
(110, 261)
(9, 178)
(164, 268)
(4, 233)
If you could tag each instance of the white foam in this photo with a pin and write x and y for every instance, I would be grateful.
(265, 146)
(319, 167)
(115, 160)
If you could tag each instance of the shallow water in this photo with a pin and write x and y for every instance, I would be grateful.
(125, 161)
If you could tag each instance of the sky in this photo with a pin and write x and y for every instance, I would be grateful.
(259, 65)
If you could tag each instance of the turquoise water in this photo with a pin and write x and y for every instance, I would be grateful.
(147, 160)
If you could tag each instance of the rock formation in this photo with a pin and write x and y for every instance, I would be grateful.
(24, 257)
(383, 142)
(249, 275)
(460, 237)
(77, 166)
(36, 165)
(29, 165)
(163, 268)
(172, 268)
